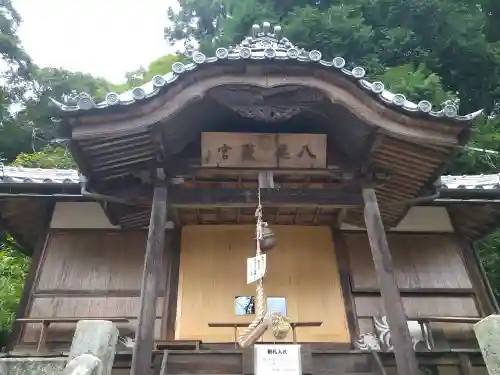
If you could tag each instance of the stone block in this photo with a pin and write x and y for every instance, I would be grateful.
(96, 337)
(32, 366)
(488, 336)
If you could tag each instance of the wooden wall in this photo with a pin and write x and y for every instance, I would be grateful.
(430, 273)
(302, 268)
(97, 273)
(89, 273)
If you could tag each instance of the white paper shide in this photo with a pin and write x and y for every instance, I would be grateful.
(256, 268)
(277, 360)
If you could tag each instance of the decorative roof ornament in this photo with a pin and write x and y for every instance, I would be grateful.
(267, 42)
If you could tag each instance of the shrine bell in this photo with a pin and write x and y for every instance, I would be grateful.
(268, 241)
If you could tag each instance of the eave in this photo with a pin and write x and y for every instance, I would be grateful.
(474, 207)
(265, 47)
(118, 141)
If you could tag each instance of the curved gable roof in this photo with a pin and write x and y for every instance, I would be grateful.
(266, 44)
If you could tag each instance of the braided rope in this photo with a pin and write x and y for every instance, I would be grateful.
(280, 325)
(260, 301)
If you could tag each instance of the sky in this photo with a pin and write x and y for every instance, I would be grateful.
(103, 37)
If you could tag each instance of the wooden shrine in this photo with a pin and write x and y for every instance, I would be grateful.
(374, 263)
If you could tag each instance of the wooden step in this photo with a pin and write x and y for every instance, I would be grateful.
(178, 345)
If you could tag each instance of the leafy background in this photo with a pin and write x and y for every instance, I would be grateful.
(427, 49)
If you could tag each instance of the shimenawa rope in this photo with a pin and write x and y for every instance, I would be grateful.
(280, 324)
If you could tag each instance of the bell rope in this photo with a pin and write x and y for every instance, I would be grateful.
(280, 324)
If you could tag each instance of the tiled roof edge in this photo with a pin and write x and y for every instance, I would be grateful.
(265, 44)
(16, 174)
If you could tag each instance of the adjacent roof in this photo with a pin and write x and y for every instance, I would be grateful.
(266, 44)
(37, 175)
(482, 181)
(9, 174)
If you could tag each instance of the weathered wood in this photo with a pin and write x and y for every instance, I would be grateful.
(47, 293)
(306, 359)
(46, 322)
(172, 292)
(233, 197)
(349, 95)
(344, 267)
(144, 337)
(237, 325)
(465, 364)
(480, 283)
(164, 361)
(30, 281)
(406, 360)
(324, 362)
(247, 360)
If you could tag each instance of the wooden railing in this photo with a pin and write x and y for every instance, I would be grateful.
(236, 325)
(46, 322)
(424, 323)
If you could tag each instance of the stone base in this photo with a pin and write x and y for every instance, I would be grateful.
(488, 336)
(32, 366)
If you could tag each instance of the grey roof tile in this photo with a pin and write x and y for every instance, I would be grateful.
(38, 175)
(266, 44)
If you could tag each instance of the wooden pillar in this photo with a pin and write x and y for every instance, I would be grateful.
(344, 268)
(406, 360)
(172, 285)
(144, 336)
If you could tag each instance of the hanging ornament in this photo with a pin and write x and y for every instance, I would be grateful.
(268, 240)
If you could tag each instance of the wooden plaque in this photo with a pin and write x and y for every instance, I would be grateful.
(256, 150)
(263, 150)
(302, 151)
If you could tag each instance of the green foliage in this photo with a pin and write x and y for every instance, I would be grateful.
(13, 268)
(48, 157)
(489, 252)
(160, 66)
(416, 83)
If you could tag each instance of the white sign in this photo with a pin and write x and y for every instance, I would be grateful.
(277, 360)
(256, 268)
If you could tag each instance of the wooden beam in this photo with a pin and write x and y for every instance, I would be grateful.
(484, 296)
(144, 336)
(344, 268)
(406, 360)
(212, 197)
(483, 292)
(233, 197)
(172, 292)
(465, 364)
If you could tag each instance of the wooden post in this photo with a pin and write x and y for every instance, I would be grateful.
(406, 360)
(144, 336)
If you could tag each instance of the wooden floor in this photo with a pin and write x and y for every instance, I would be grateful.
(316, 359)
(322, 362)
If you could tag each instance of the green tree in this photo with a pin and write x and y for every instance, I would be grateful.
(160, 66)
(426, 49)
(448, 37)
(15, 76)
(48, 157)
(13, 268)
